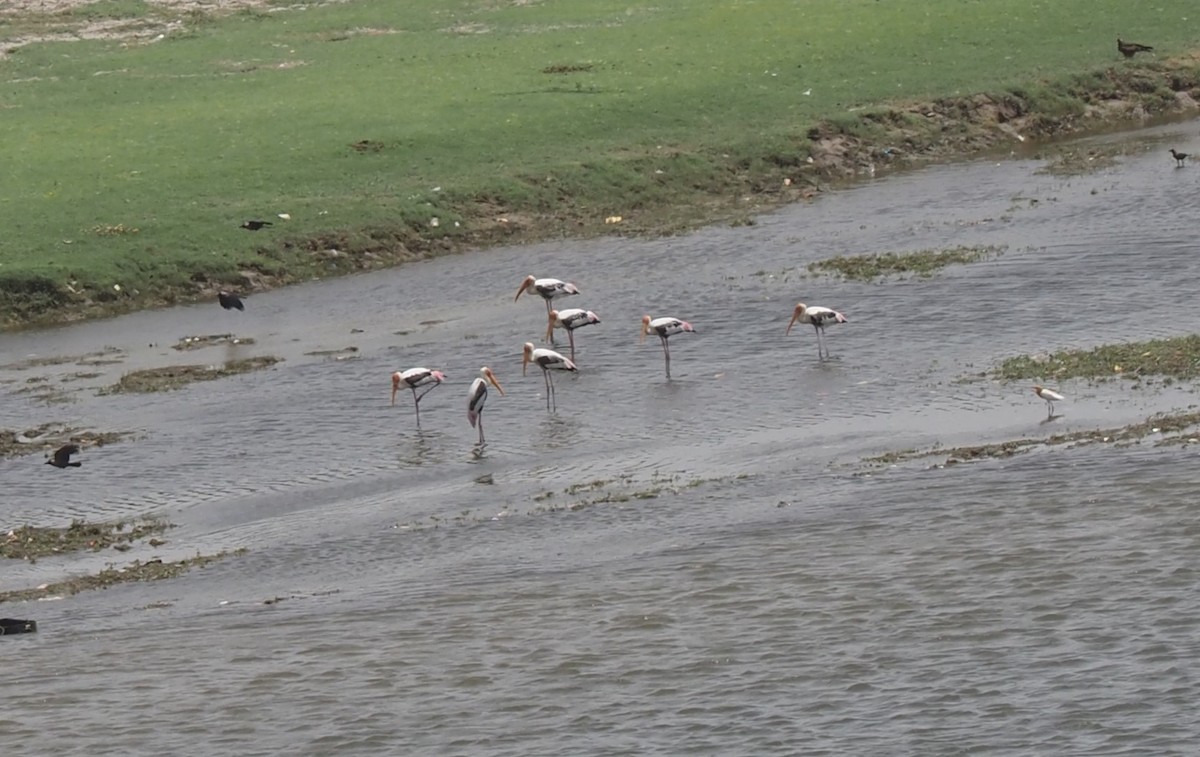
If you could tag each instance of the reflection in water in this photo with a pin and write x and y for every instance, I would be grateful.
(426, 447)
(557, 432)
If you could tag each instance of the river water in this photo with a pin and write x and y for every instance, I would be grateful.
(700, 566)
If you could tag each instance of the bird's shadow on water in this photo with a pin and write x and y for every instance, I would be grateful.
(1050, 419)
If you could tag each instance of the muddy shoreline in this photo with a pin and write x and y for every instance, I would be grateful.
(835, 153)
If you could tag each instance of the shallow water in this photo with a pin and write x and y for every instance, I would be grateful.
(733, 580)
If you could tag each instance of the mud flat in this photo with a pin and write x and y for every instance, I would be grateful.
(172, 377)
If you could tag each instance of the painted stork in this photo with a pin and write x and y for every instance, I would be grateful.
(477, 395)
(1050, 396)
(413, 378)
(569, 319)
(818, 317)
(547, 360)
(665, 327)
(547, 289)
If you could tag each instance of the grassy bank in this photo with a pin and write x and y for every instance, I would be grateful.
(389, 131)
(1175, 358)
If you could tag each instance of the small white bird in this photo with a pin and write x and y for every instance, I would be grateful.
(1050, 396)
(547, 289)
(817, 316)
(477, 396)
(547, 360)
(569, 319)
(414, 378)
(665, 327)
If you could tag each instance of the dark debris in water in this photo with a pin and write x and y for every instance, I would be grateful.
(1176, 358)
(922, 263)
(48, 436)
(31, 542)
(177, 376)
(1174, 428)
(150, 570)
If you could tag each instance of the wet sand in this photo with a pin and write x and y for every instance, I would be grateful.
(772, 595)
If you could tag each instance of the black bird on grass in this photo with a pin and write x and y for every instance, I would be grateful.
(230, 301)
(1179, 157)
(255, 225)
(62, 457)
(1130, 49)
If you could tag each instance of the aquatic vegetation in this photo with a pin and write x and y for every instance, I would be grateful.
(1174, 428)
(209, 340)
(51, 435)
(104, 356)
(619, 490)
(177, 376)
(1073, 160)
(923, 263)
(150, 570)
(1174, 358)
(31, 542)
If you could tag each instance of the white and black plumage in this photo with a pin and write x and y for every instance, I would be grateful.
(569, 319)
(818, 317)
(414, 378)
(547, 360)
(1050, 396)
(62, 457)
(230, 301)
(665, 327)
(477, 396)
(547, 289)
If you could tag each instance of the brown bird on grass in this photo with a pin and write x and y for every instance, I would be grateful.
(1179, 157)
(1130, 49)
(62, 457)
(255, 225)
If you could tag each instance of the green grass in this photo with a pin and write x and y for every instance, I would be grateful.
(923, 263)
(1173, 358)
(507, 106)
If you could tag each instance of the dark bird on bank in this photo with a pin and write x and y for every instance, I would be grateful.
(1179, 157)
(62, 457)
(230, 301)
(255, 225)
(1130, 49)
